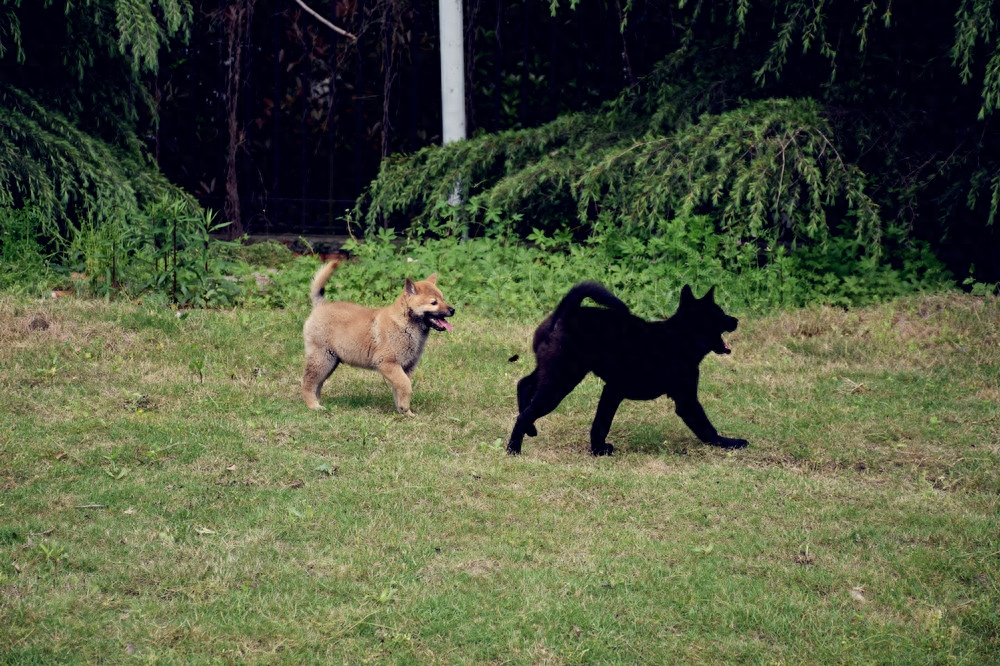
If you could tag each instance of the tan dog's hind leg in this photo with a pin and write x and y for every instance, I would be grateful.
(319, 367)
(402, 389)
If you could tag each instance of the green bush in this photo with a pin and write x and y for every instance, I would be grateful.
(504, 277)
(165, 253)
(168, 255)
(24, 263)
(765, 169)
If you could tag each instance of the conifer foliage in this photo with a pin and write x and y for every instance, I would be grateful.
(73, 106)
(786, 120)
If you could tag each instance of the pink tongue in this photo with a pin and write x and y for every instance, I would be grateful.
(442, 323)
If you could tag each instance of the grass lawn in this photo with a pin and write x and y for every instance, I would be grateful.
(166, 496)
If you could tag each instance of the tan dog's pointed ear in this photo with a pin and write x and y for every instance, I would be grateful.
(410, 288)
(432, 278)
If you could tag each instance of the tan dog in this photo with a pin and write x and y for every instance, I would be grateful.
(389, 339)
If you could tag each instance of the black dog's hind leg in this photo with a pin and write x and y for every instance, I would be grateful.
(550, 389)
(606, 409)
(525, 392)
(693, 415)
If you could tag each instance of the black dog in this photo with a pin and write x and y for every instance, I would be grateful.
(637, 359)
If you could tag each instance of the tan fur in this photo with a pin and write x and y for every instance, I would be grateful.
(389, 339)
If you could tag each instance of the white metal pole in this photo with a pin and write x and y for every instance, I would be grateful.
(452, 71)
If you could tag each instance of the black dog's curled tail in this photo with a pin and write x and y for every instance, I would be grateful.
(595, 291)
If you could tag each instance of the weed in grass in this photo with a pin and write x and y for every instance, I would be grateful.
(51, 369)
(52, 556)
(156, 455)
(113, 470)
(197, 367)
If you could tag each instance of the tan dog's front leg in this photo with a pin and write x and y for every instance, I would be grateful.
(402, 389)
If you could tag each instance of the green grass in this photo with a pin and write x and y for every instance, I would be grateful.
(166, 496)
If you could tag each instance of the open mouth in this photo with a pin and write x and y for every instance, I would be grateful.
(438, 323)
(722, 347)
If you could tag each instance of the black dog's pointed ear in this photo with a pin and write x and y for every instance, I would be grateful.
(411, 289)
(686, 294)
(710, 295)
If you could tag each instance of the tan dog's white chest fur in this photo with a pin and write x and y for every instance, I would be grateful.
(389, 339)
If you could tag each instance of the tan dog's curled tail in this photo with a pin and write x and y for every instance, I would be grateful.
(319, 281)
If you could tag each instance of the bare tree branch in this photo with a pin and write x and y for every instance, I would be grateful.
(325, 22)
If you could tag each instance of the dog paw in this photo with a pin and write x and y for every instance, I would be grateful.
(531, 431)
(602, 450)
(513, 450)
(730, 443)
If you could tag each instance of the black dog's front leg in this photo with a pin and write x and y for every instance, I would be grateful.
(606, 409)
(693, 415)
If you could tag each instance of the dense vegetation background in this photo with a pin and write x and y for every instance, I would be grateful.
(830, 150)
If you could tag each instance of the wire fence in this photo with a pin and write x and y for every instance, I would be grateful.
(283, 215)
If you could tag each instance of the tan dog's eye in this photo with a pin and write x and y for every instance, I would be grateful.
(434, 302)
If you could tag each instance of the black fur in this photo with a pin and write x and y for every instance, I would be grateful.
(637, 359)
